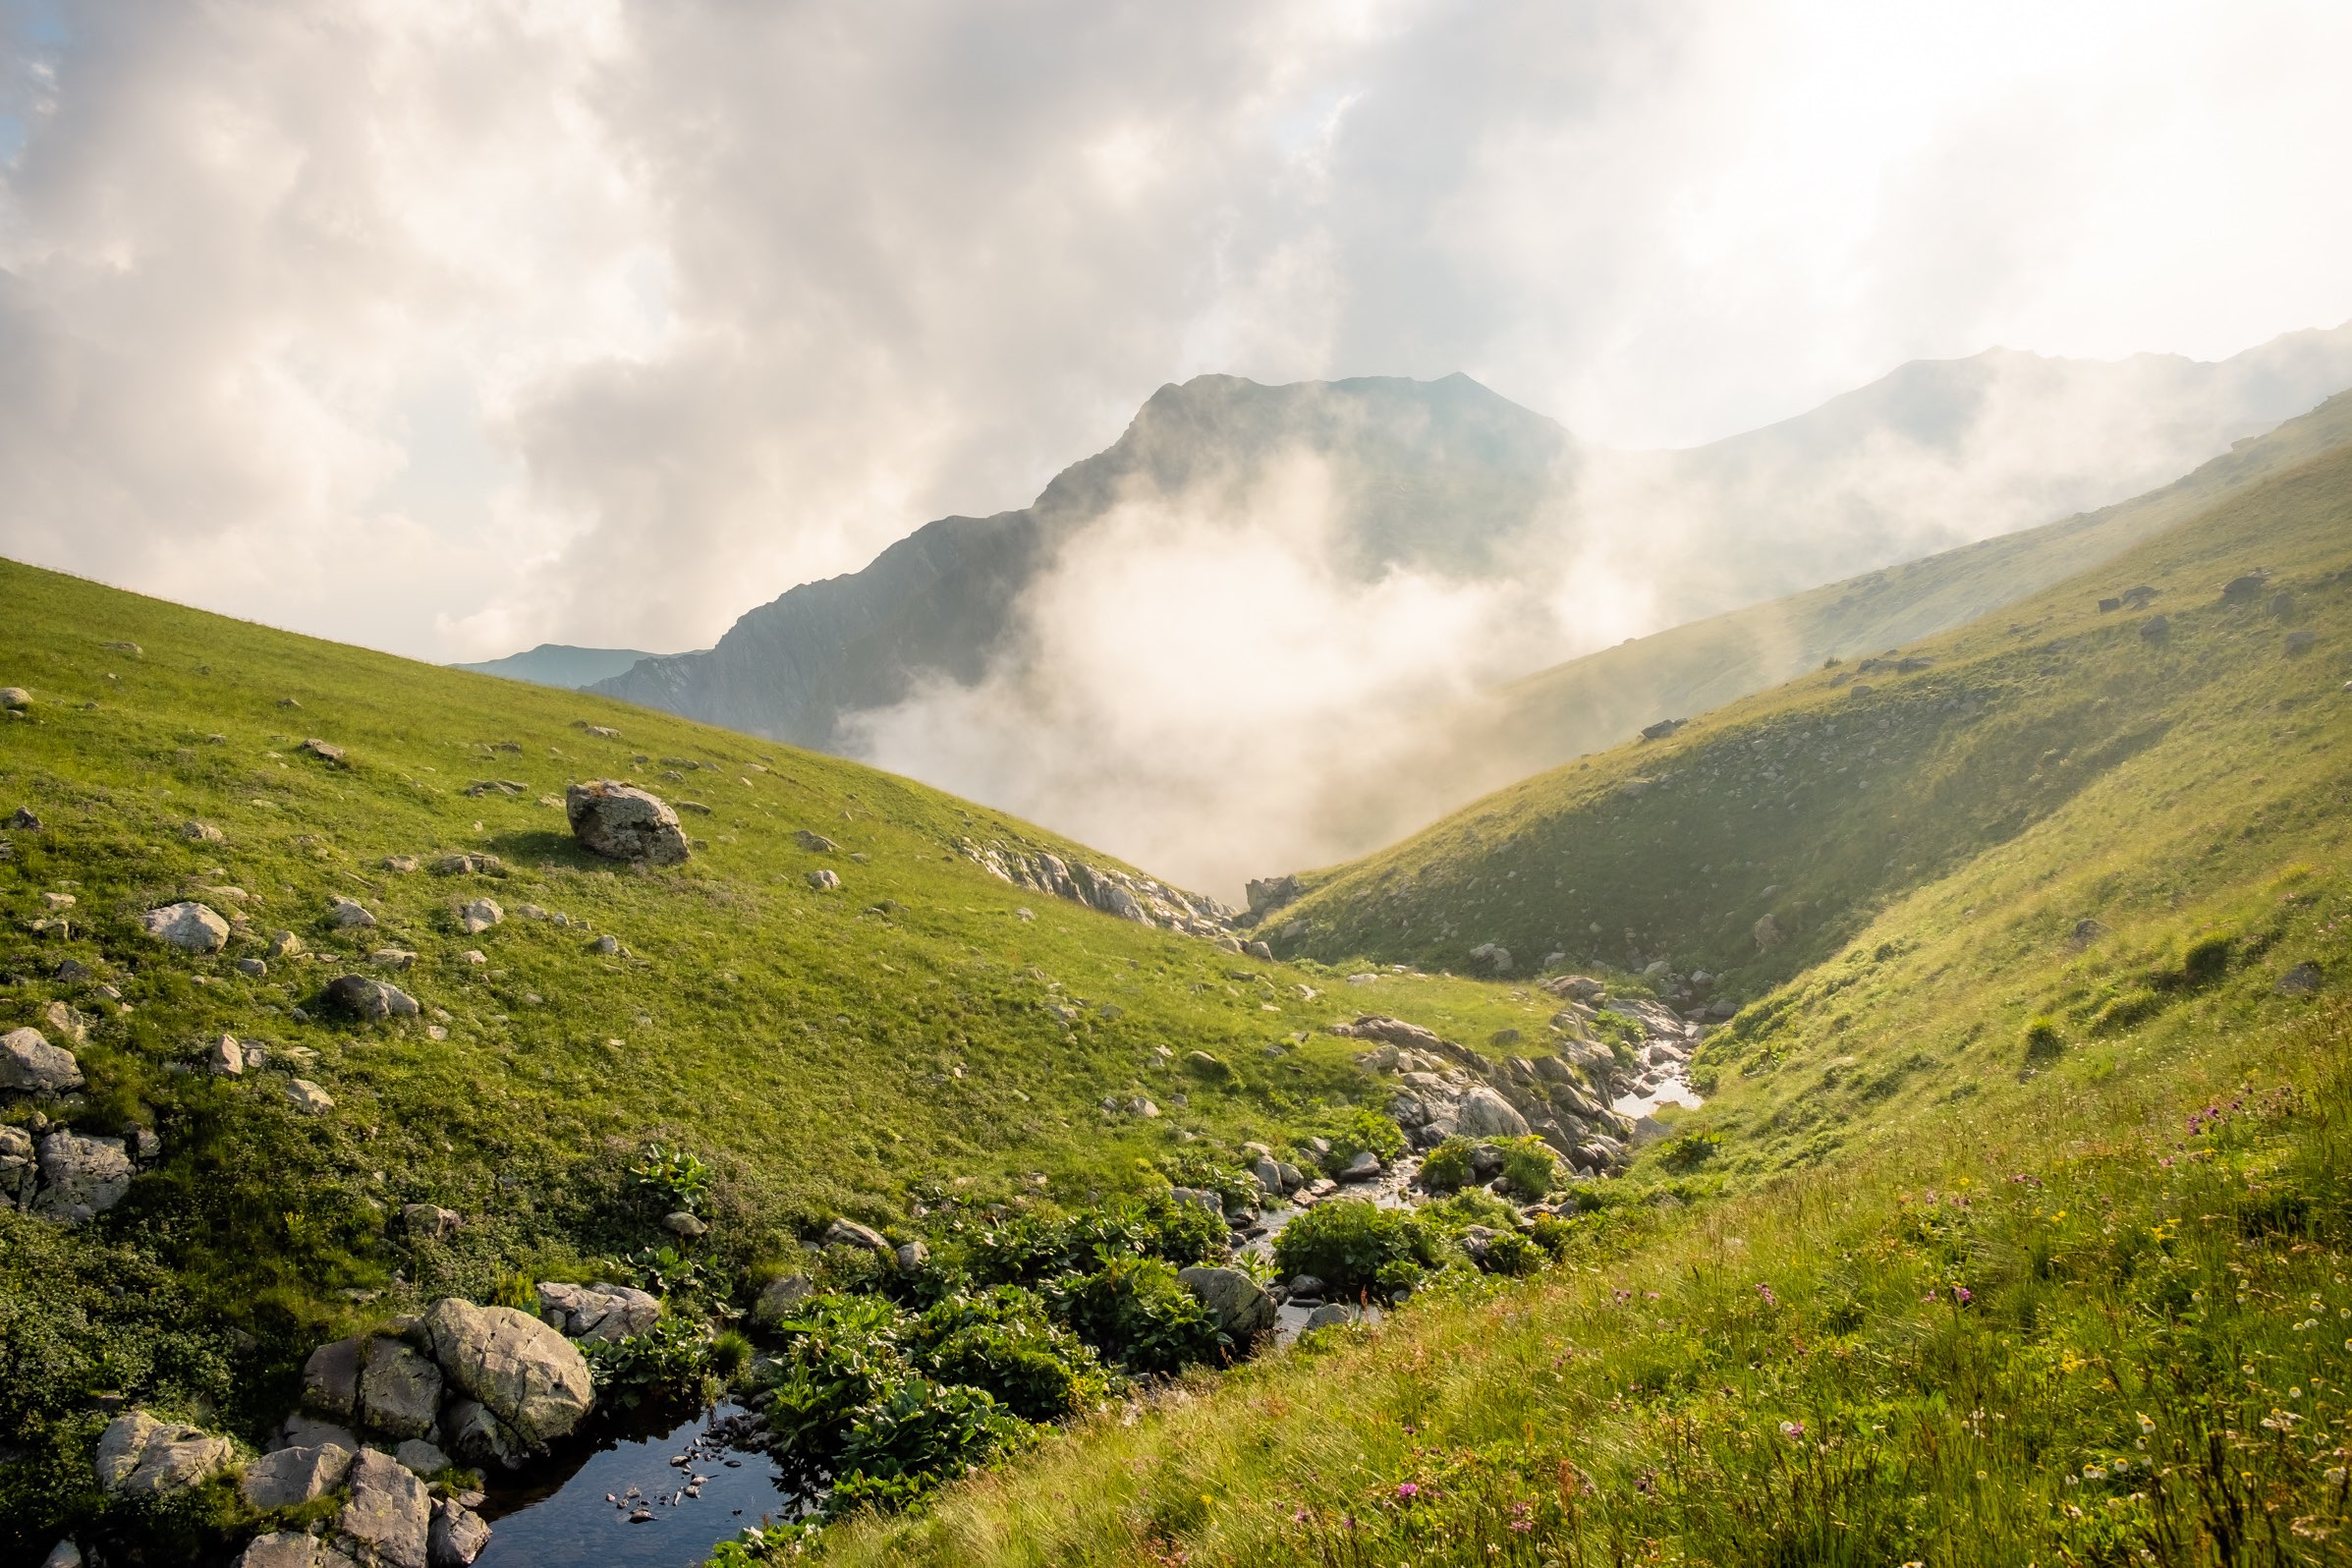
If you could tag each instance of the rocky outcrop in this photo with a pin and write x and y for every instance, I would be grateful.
(597, 1312)
(389, 1514)
(623, 823)
(1142, 899)
(140, 1456)
(30, 1065)
(292, 1477)
(80, 1177)
(524, 1372)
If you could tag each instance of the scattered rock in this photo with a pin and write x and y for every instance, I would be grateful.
(2300, 642)
(189, 926)
(201, 833)
(322, 750)
(623, 823)
(19, 1168)
(478, 915)
(779, 1297)
(1366, 1165)
(29, 1064)
(292, 1477)
(140, 1456)
(14, 699)
(607, 945)
(367, 999)
(911, 1256)
(80, 1177)
(2300, 980)
(2156, 629)
(683, 1224)
(597, 1312)
(468, 865)
(1239, 1303)
(428, 1221)
(1493, 955)
(1332, 1314)
(1259, 951)
(307, 1098)
(392, 958)
(389, 1511)
(815, 843)
(225, 1057)
(2245, 589)
(253, 968)
(284, 944)
(421, 1458)
(523, 1371)
(402, 864)
(349, 913)
(1766, 933)
(331, 1379)
(823, 880)
(849, 1233)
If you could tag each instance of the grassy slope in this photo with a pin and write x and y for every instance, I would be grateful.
(1603, 699)
(1880, 1140)
(822, 1052)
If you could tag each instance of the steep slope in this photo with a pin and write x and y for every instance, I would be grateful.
(2015, 1227)
(1376, 554)
(1602, 699)
(562, 665)
(822, 1050)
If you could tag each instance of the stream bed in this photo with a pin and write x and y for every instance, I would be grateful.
(556, 1515)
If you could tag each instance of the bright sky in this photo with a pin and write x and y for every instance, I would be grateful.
(451, 329)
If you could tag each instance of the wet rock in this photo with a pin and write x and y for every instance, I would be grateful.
(292, 1477)
(140, 1456)
(457, 1535)
(597, 1312)
(389, 1512)
(622, 822)
(189, 926)
(525, 1374)
(80, 1177)
(30, 1065)
(1239, 1306)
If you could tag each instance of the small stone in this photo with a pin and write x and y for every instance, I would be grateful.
(2300, 980)
(815, 843)
(322, 750)
(253, 968)
(683, 1224)
(14, 699)
(189, 926)
(849, 1233)
(911, 1256)
(402, 864)
(226, 1057)
(392, 958)
(307, 1098)
(823, 880)
(346, 914)
(608, 945)
(474, 955)
(284, 944)
(478, 915)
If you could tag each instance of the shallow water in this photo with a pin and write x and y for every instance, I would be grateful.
(555, 1516)
(1387, 1191)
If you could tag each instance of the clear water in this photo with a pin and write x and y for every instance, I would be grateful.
(554, 1515)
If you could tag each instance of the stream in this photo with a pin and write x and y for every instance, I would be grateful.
(555, 1515)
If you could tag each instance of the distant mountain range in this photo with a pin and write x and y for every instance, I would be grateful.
(1355, 561)
(560, 664)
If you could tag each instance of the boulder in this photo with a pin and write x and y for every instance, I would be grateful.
(253, 968)
(778, 1299)
(290, 1548)
(140, 1456)
(30, 1065)
(911, 1256)
(683, 1224)
(1495, 956)
(2156, 629)
(1767, 931)
(331, 1379)
(367, 999)
(1364, 1165)
(1268, 1174)
(597, 1312)
(623, 823)
(307, 1098)
(530, 1376)
(300, 1430)
(19, 1168)
(1198, 1198)
(421, 1458)
(14, 699)
(849, 1233)
(325, 750)
(389, 1512)
(292, 1477)
(478, 915)
(825, 879)
(349, 913)
(458, 1535)
(428, 1221)
(1239, 1306)
(478, 1438)
(400, 1390)
(80, 1176)
(1484, 1113)
(189, 926)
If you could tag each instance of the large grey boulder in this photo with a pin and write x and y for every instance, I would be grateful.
(623, 823)
(331, 1379)
(19, 1167)
(389, 1512)
(30, 1065)
(140, 1456)
(477, 1437)
(1240, 1306)
(289, 1548)
(400, 1390)
(1484, 1113)
(80, 1177)
(458, 1535)
(292, 1477)
(597, 1312)
(191, 928)
(525, 1374)
(778, 1299)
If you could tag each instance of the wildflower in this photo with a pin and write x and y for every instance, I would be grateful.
(1407, 1491)
(1299, 1518)
(2147, 1422)
(1792, 1429)
(1960, 1294)
(2095, 1473)
(2295, 1394)
(2336, 1477)
(1765, 1291)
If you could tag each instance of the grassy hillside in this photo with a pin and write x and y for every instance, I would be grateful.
(1601, 700)
(825, 1052)
(2015, 1228)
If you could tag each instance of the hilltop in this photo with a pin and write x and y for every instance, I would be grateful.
(560, 664)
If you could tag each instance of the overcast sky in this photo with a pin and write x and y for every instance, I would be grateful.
(453, 329)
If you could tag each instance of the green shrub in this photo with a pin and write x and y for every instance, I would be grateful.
(1508, 1253)
(1356, 1132)
(842, 1353)
(1551, 1233)
(730, 1353)
(1193, 1167)
(1348, 1241)
(2128, 1011)
(1030, 1249)
(1001, 1341)
(672, 1179)
(2205, 961)
(2041, 1041)
(915, 1437)
(670, 1358)
(1133, 1311)
(1688, 1152)
(1529, 1165)
(1447, 1167)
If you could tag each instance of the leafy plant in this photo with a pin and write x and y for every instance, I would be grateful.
(1529, 1165)
(673, 1179)
(1359, 1131)
(1448, 1165)
(1133, 1310)
(1509, 1253)
(1346, 1244)
(915, 1437)
(673, 1357)
(1003, 1342)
